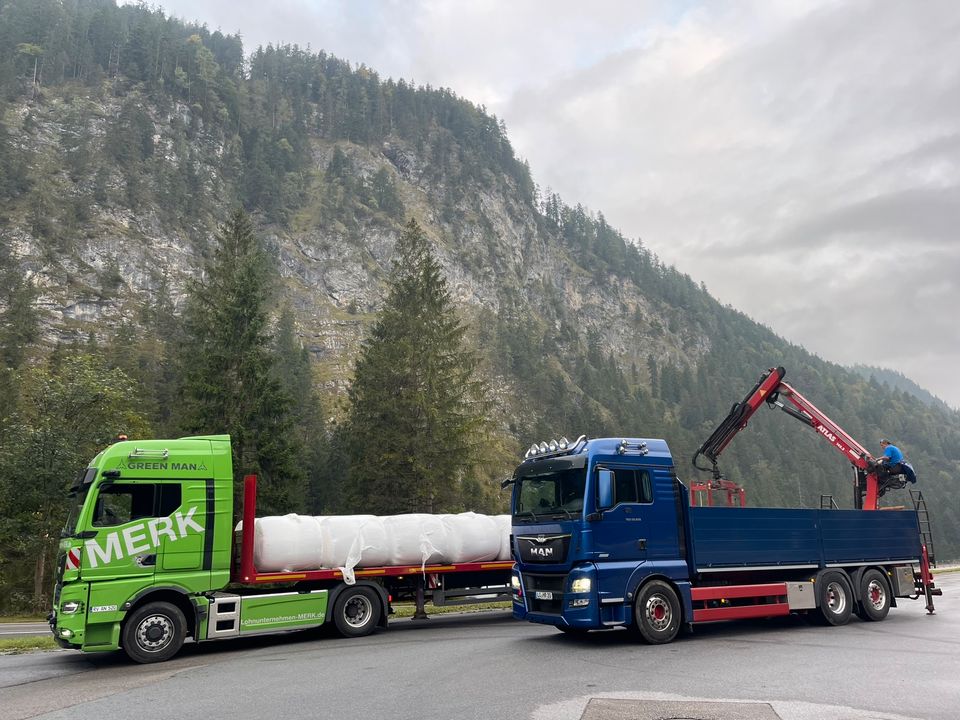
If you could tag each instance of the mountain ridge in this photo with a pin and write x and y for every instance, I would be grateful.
(124, 173)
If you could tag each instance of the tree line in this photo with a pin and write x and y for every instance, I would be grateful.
(415, 436)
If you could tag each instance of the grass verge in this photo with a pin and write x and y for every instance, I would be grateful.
(13, 646)
(22, 619)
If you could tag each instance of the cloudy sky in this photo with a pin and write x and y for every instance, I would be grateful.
(800, 158)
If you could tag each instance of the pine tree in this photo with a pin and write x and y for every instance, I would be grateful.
(417, 403)
(228, 367)
(295, 375)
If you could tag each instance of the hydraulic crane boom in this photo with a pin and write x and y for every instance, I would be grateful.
(772, 390)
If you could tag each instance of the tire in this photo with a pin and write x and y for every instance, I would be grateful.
(834, 599)
(874, 596)
(154, 632)
(356, 611)
(657, 613)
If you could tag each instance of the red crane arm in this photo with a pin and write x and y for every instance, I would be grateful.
(770, 389)
(738, 417)
(809, 413)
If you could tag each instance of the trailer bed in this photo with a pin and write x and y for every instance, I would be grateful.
(756, 538)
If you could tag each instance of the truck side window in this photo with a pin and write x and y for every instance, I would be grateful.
(124, 502)
(632, 486)
(168, 499)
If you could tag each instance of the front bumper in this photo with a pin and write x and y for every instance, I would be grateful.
(547, 598)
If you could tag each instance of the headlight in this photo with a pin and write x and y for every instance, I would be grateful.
(515, 582)
(580, 585)
(69, 607)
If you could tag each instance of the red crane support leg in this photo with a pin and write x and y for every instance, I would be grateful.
(926, 578)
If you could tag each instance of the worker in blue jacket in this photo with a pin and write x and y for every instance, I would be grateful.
(892, 463)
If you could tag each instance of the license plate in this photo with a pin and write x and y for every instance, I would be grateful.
(543, 595)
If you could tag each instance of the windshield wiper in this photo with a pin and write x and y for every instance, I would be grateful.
(525, 512)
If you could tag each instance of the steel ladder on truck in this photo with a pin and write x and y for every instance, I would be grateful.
(923, 518)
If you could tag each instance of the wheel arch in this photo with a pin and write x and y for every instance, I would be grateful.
(844, 574)
(376, 587)
(638, 583)
(172, 594)
(855, 575)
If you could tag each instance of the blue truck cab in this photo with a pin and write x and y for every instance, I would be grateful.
(604, 537)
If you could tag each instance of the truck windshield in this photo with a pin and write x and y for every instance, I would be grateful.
(558, 493)
(77, 495)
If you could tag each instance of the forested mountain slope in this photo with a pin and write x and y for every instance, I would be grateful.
(127, 137)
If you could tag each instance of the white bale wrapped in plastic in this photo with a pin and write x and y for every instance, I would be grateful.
(416, 539)
(287, 543)
(302, 542)
(504, 527)
(353, 541)
(471, 537)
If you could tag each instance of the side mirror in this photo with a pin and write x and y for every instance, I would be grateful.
(605, 489)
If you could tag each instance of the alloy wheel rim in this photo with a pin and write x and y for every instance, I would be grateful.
(357, 611)
(154, 633)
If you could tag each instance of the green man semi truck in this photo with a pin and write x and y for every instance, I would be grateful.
(149, 558)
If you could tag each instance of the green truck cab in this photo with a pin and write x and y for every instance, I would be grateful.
(149, 532)
(149, 558)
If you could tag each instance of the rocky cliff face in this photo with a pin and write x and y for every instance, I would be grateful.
(114, 258)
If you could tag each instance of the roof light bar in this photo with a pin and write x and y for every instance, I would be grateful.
(554, 447)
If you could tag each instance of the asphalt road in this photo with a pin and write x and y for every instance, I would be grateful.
(488, 666)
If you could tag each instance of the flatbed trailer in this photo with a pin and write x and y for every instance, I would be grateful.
(441, 584)
(149, 558)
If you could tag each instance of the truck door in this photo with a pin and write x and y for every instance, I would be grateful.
(184, 507)
(621, 533)
(117, 543)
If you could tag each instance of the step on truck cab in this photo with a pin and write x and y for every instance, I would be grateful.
(605, 537)
(149, 558)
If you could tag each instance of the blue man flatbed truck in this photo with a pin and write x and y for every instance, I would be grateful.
(604, 536)
(149, 558)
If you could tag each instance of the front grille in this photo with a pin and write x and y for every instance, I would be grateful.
(543, 548)
(552, 584)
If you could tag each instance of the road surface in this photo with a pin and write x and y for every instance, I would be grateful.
(489, 666)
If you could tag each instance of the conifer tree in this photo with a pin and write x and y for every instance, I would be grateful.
(417, 404)
(229, 380)
(295, 375)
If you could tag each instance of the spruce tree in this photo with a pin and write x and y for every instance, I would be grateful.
(228, 367)
(296, 378)
(417, 422)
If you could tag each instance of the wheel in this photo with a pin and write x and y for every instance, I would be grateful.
(835, 599)
(154, 632)
(874, 595)
(356, 611)
(657, 613)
